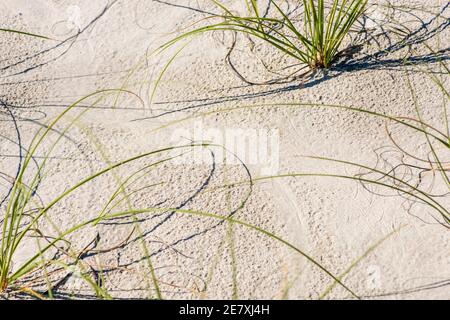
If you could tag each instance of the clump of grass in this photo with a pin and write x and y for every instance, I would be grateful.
(325, 33)
(24, 213)
(315, 42)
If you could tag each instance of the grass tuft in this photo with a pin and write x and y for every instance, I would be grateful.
(316, 42)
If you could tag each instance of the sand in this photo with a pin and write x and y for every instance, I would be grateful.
(336, 222)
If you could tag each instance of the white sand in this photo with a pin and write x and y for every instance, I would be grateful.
(334, 221)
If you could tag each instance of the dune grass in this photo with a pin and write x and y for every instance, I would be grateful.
(317, 47)
(315, 42)
(24, 214)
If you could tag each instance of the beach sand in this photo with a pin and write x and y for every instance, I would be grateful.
(400, 249)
